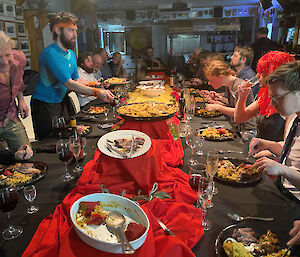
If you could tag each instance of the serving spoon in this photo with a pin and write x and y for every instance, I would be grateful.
(115, 222)
(237, 217)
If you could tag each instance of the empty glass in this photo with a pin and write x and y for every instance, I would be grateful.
(199, 142)
(106, 111)
(184, 129)
(30, 195)
(190, 140)
(205, 193)
(246, 137)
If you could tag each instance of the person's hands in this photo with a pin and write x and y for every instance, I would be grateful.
(154, 60)
(204, 92)
(295, 234)
(196, 81)
(24, 153)
(104, 95)
(212, 107)
(269, 166)
(23, 109)
(256, 145)
(244, 90)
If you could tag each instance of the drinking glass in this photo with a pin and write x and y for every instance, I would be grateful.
(205, 193)
(184, 129)
(75, 144)
(8, 201)
(196, 174)
(58, 125)
(65, 154)
(190, 140)
(30, 195)
(114, 104)
(199, 142)
(212, 162)
(190, 111)
(246, 137)
(106, 111)
(83, 145)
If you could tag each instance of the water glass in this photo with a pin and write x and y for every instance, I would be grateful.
(30, 195)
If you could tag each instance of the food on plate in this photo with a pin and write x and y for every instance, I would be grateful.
(124, 144)
(91, 217)
(204, 113)
(200, 99)
(83, 129)
(115, 80)
(245, 242)
(216, 133)
(96, 109)
(18, 173)
(228, 171)
(148, 109)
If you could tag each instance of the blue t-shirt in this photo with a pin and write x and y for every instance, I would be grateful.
(56, 67)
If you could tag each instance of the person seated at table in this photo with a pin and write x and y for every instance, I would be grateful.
(241, 60)
(105, 69)
(8, 157)
(116, 66)
(150, 60)
(192, 65)
(97, 65)
(58, 73)
(284, 92)
(85, 72)
(219, 74)
(12, 63)
(270, 123)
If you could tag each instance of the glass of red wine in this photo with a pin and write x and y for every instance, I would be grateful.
(8, 201)
(65, 154)
(196, 173)
(58, 125)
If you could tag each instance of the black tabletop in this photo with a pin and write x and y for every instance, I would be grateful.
(261, 200)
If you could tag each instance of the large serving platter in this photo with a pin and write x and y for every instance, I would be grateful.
(119, 134)
(150, 118)
(38, 165)
(111, 202)
(259, 227)
(207, 114)
(246, 181)
(221, 139)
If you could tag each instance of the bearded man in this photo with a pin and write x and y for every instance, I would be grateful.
(57, 74)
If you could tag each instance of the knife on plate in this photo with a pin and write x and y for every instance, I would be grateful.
(111, 149)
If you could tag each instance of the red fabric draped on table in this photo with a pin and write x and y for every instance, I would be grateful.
(56, 237)
(171, 149)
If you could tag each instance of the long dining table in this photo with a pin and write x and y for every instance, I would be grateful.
(262, 199)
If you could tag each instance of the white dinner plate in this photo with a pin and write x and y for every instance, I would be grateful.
(123, 134)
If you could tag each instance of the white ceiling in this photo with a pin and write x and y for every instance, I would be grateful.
(142, 4)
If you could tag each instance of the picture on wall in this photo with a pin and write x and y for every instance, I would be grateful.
(16, 43)
(28, 63)
(24, 45)
(1, 25)
(2, 9)
(21, 29)
(10, 29)
(10, 10)
(19, 12)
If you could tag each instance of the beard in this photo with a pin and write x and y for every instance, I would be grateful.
(235, 65)
(68, 44)
(87, 69)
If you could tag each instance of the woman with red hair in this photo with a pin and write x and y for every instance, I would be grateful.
(268, 117)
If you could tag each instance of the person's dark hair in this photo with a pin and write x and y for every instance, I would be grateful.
(289, 73)
(216, 56)
(263, 31)
(245, 52)
(203, 54)
(149, 47)
(81, 58)
(99, 51)
(61, 17)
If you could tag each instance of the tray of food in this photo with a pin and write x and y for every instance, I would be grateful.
(22, 174)
(89, 215)
(82, 129)
(95, 110)
(148, 111)
(216, 134)
(237, 172)
(202, 112)
(116, 81)
(249, 239)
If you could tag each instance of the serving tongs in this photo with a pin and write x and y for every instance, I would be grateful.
(112, 149)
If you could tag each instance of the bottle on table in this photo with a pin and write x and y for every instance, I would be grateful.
(172, 79)
(181, 106)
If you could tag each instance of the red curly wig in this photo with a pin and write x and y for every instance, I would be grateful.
(267, 64)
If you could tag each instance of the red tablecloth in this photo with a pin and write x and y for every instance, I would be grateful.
(56, 236)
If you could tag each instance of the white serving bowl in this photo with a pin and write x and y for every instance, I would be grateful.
(153, 92)
(111, 202)
(152, 82)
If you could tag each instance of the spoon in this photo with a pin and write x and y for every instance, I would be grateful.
(229, 151)
(115, 223)
(237, 217)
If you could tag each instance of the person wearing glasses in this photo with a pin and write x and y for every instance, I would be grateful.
(284, 92)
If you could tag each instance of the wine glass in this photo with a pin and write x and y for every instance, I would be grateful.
(184, 129)
(106, 111)
(199, 141)
(212, 163)
(205, 193)
(30, 195)
(114, 104)
(64, 152)
(76, 146)
(246, 137)
(58, 125)
(83, 145)
(190, 110)
(190, 140)
(8, 201)
(196, 174)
